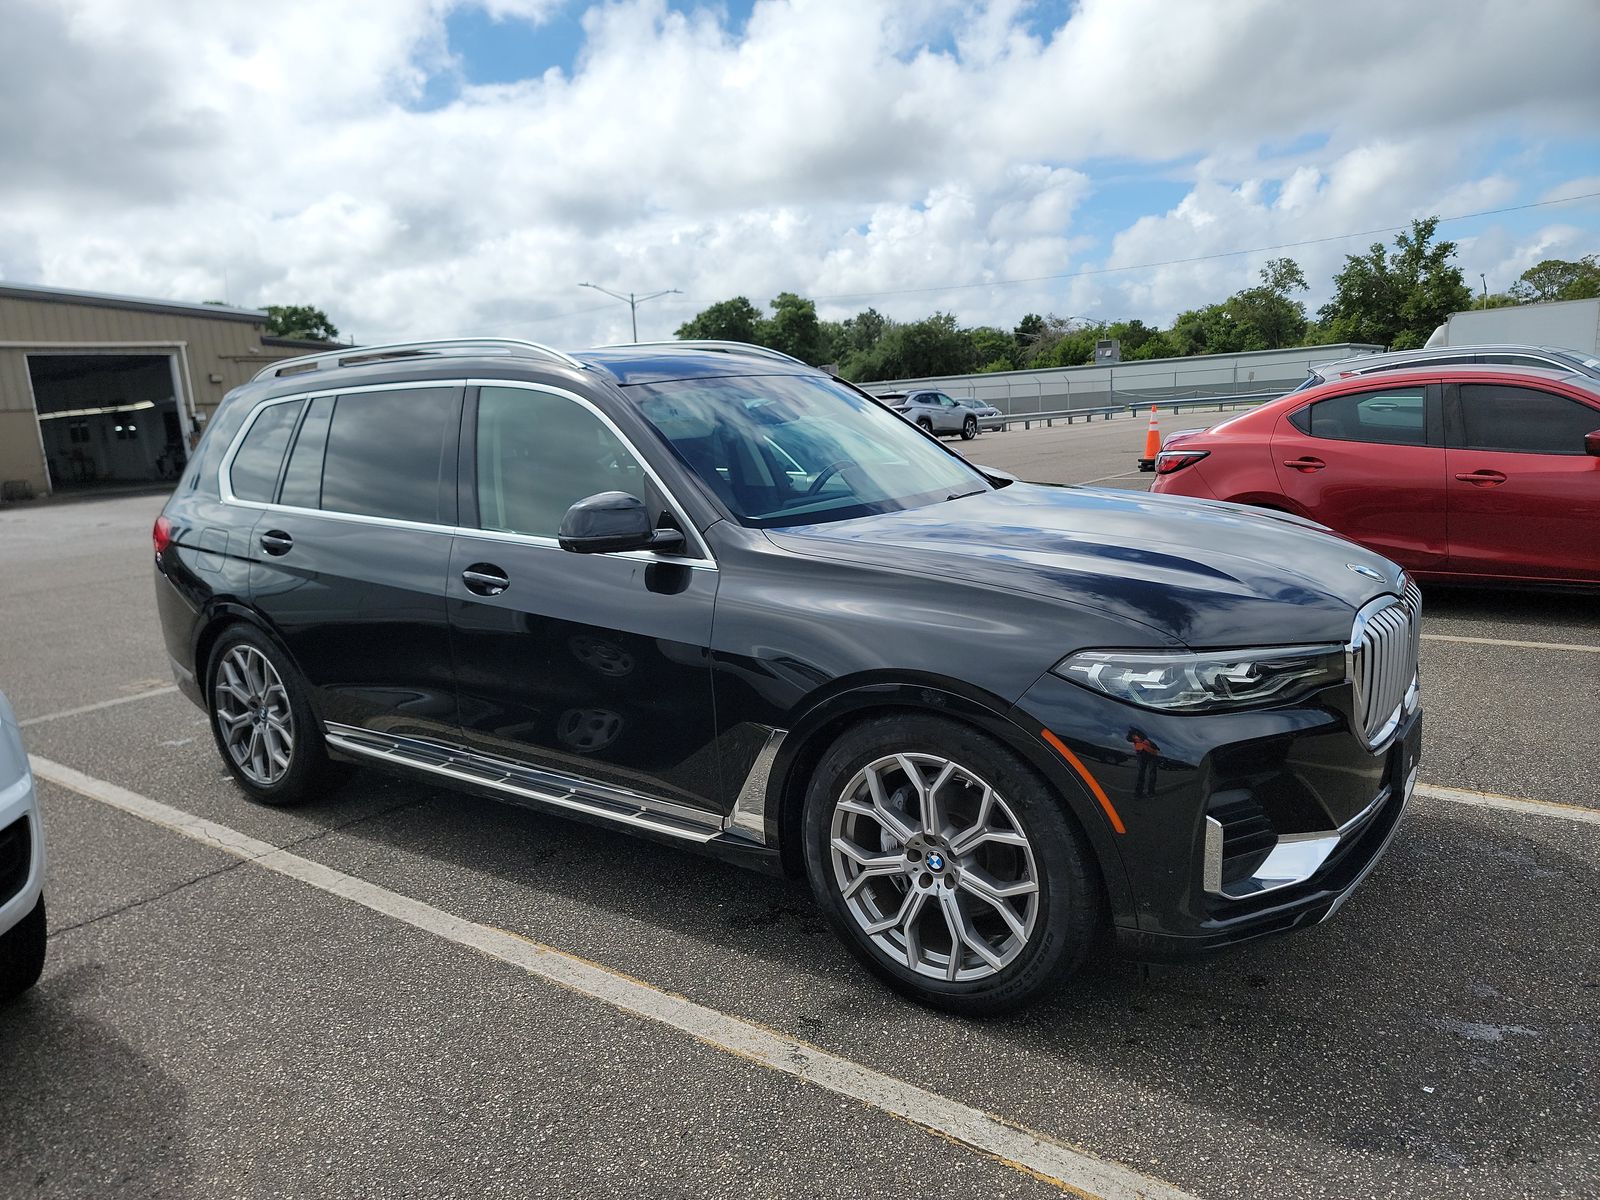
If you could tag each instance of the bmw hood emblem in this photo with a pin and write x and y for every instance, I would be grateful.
(1362, 569)
(936, 862)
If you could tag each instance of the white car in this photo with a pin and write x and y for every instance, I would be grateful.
(22, 928)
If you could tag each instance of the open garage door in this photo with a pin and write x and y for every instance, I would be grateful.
(108, 420)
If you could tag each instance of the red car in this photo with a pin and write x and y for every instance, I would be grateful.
(1456, 473)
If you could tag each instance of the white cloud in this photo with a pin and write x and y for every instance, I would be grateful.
(153, 146)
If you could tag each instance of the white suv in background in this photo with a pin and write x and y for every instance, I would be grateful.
(935, 412)
(22, 928)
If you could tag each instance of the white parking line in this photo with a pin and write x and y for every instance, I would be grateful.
(1482, 641)
(1103, 478)
(1021, 1148)
(1516, 804)
(89, 708)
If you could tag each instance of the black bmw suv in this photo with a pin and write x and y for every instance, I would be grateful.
(703, 593)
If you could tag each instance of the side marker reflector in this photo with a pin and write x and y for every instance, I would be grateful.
(1095, 789)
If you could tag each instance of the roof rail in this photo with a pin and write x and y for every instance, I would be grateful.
(353, 356)
(720, 345)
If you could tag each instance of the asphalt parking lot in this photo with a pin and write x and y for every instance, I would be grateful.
(364, 999)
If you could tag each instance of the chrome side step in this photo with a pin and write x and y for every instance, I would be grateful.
(518, 781)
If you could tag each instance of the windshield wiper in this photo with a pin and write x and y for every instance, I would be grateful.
(964, 495)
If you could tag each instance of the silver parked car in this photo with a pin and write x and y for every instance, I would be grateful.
(1545, 358)
(22, 929)
(934, 411)
(990, 418)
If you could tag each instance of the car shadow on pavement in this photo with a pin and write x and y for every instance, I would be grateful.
(82, 1112)
(1550, 611)
(1401, 1029)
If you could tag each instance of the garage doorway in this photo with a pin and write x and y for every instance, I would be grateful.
(109, 420)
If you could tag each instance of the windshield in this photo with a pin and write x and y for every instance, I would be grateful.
(797, 449)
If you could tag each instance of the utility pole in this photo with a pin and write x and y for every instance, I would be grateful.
(633, 301)
(1483, 279)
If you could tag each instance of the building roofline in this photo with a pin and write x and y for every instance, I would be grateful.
(187, 308)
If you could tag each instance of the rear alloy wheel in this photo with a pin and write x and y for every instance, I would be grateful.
(969, 429)
(264, 727)
(924, 424)
(947, 866)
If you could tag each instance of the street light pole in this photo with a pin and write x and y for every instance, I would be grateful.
(633, 301)
(1483, 279)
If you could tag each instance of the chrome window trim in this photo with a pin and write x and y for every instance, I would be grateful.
(226, 493)
(690, 531)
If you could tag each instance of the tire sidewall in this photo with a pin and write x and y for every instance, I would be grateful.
(969, 429)
(22, 953)
(307, 759)
(1069, 898)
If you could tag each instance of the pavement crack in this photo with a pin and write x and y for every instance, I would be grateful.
(61, 931)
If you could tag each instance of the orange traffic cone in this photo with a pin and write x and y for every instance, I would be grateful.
(1152, 444)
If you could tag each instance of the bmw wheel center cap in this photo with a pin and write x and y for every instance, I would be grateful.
(936, 862)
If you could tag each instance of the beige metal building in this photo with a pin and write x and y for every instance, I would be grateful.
(104, 391)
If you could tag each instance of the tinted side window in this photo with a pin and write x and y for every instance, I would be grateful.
(254, 473)
(302, 478)
(201, 473)
(1523, 421)
(1393, 417)
(539, 454)
(390, 454)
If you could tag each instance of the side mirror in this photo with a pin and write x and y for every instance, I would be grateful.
(1591, 443)
(612, 521)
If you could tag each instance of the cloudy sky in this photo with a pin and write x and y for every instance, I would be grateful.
(425, 167)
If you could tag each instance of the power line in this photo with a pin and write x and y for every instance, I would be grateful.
(1174, 262)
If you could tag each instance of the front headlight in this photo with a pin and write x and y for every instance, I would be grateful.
(1210, 681)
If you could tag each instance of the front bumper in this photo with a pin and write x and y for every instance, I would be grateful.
(22, 861)
(1236, 825)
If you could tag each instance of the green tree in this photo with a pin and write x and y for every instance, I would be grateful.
(735, 320)
(794, 329)
(1067, 345)
(1268, 317)
(1558, 279)
(994, 349)
(1209, 330)
(1030, 331)
(300, 321)
(935, 345)
(1399, 298)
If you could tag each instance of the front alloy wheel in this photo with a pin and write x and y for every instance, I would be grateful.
(934, 867)
(947, 864)
(969, 429)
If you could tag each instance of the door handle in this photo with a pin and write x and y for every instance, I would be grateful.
(1305, 464)
(485, 579)
(1481, 478)
(276, 542)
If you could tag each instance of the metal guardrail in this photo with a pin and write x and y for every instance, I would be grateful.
(1107, 412)
(1221, 402)
(1029, 420)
